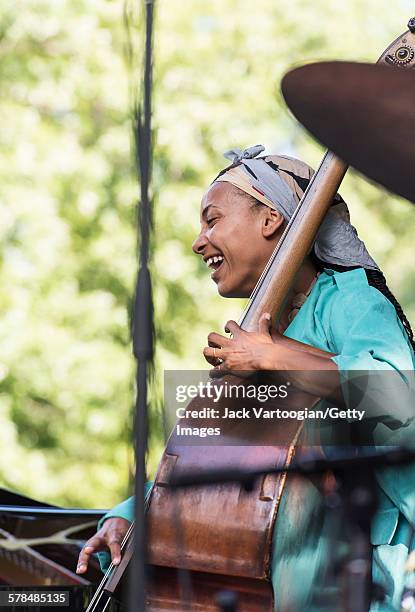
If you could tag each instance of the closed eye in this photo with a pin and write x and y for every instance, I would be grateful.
(211, 221)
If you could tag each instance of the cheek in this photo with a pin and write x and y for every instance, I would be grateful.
(219, 235)
(245, 240)
(237, 238)
(240, 230)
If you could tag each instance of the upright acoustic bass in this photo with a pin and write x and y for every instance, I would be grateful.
(220, 536)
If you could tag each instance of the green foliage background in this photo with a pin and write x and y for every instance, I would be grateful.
(67, 206)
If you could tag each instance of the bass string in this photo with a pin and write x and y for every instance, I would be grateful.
(100, 590)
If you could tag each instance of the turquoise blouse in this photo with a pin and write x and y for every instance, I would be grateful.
(346, 316)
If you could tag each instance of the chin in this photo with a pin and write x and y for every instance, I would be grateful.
(232, 292)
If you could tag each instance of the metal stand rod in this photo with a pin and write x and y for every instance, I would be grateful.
(359, 501)
(142, 325)
(227, 601)
(137, 569)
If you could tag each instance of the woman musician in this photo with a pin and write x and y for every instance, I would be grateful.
(340, 316)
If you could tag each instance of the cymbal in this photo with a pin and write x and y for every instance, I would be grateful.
(365, 113)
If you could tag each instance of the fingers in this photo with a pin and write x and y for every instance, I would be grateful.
(213, 355)
(218, 372)
(264, 323)
(115, 548)
(214, 352)
(212, 360)
(217, 340)
(111, 537)
(93, 545)
(232, 327)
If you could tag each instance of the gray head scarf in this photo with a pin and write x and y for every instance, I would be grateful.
(280, 182)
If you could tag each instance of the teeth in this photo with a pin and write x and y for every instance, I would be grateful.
(214, 259)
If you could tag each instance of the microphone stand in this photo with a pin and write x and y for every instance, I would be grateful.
(142, 327)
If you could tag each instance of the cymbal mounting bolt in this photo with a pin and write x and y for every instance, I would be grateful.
(411, 25)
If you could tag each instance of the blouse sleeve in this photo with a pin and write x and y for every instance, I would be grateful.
(366, 332)
(373, 354)
(372, 346)
(123, 510)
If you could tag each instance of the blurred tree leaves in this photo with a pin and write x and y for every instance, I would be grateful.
(67, 206)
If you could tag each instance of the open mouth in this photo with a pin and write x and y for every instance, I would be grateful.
(215, 262)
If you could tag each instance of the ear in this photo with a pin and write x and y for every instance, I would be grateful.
(272, 221)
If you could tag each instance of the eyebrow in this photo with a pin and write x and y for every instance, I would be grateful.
(206, 210)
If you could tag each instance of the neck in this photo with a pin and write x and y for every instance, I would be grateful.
(305, 276)
(303, 280)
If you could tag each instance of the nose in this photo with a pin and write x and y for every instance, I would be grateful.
(200, 243)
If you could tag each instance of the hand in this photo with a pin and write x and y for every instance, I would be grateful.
(244, 351)
(109, 537)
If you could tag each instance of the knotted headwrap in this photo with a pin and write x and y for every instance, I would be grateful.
(279, 182)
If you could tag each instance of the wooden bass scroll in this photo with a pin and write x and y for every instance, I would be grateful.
(222, 534)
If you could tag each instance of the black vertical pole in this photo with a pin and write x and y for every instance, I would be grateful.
(142, 324)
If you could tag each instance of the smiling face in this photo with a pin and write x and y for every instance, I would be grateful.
(236, 238)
